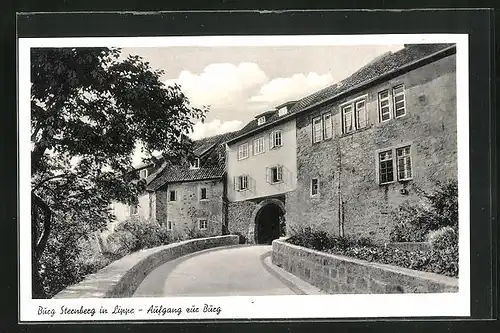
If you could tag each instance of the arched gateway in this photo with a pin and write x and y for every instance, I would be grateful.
(266, 221)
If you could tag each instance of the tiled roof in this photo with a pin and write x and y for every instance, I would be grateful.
(212, 168)
(378, 67)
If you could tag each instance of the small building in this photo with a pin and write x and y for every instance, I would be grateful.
(190, 199)
(261, 171)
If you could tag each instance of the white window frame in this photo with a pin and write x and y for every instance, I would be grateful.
(344, 123)
(261, 120)
(394, 95)
(239, 180)
(404, 158)
(327, 124)
(283, 111)
(314, 195)
(317, 127)
(205, 227)
(259, 142)
(170, 195)
(354, 118)
(357, 124)
(274, 139)
(243, 151)
(379, 162)
(206, 193)
(143, 173)
(279, 174)
(380, 100)
(195, 164)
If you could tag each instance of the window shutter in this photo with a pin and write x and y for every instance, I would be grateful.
(250, 183)
(235, 183)
(271, 140)
(268, 175)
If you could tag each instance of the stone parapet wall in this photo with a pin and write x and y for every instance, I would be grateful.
(122, 277)
(336, 274)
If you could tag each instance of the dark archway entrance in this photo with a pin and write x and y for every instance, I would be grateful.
(268, 222)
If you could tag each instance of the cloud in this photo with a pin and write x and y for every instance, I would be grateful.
(221, 85)
(280, 90)
(203, 130)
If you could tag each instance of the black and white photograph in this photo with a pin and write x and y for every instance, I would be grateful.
(234, 177)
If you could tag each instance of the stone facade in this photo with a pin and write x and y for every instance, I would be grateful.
(188, 208)
(239, 218)
(342, 275)
(347, 164)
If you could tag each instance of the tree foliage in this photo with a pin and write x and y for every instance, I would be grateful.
(90, 107)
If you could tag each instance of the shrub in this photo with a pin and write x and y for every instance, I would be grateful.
(443, 238)
(136, 234)
(442, 260)
(413, 222)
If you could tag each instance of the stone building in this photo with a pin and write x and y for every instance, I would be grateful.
(261, 170)
(191, 198)
(393, 134)
(349, 153)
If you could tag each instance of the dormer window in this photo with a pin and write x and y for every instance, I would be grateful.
(261, 120)
(195, 164)
(143, 173)
(283, 111)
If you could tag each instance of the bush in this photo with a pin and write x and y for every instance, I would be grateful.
(443, 238)
(412, 223)
(442, 260)
(136, 234)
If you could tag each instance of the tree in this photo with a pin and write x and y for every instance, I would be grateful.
(90, 107)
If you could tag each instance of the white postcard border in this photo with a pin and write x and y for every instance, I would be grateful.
(244, 307)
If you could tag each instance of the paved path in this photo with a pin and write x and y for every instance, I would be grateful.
(230, 271)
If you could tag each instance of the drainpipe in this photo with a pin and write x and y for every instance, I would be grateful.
(339, 191)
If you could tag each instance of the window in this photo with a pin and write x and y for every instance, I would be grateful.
(172, 195)
(317, 133)
(275, 174)
(170, 225)
(399, 101)
(275, 139)
(243, 151)
(203, 193)
(258, 146)
(347, 119)
(386, 172)
(282, 111)
(133, 210)
(203, 224)
(195, 164)
(261, 120)
(404, 163)
(241, 183)
(327, 126)
(384, 106)
(143, 173)
(360, 114)
(314, 187)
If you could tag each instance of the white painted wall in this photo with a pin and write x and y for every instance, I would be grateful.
(255, 165)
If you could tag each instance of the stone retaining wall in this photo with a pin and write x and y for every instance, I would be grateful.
(122, 277)
(336, 274)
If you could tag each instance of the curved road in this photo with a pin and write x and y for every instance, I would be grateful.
(229, 271)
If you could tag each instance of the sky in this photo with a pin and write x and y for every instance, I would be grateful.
(240, 82)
